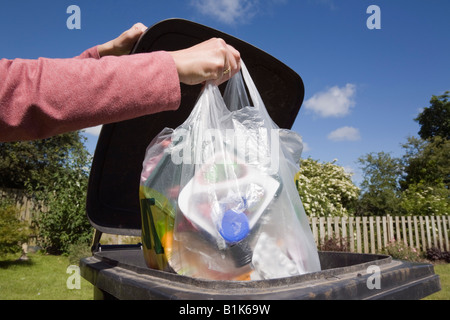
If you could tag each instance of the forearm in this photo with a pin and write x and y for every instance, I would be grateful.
(44, 97)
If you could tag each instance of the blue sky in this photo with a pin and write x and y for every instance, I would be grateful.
(363, 86)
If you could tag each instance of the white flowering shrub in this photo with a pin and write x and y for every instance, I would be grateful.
(424, 200)
(326, 189)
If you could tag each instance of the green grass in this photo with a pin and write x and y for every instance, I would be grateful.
(443, 270)
(42, 277)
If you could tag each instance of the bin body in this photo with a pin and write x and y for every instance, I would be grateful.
(123, 274)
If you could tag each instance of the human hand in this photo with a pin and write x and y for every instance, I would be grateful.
(123, 43)
(210, 60)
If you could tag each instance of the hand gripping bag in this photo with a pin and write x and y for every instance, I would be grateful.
(218, 197)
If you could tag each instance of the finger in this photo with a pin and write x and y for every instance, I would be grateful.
(223, 74)
(139, 27)
(232, 65)
(236, 60)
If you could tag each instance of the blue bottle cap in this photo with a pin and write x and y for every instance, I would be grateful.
(234, 226)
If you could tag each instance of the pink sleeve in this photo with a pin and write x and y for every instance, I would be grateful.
(43, 97)
(90, 53)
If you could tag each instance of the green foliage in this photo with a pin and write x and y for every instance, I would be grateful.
(426, 178)
(54, 172)
(325, 189)
(77, 251)
(416, 184)
(435, 119)
(13, 232)
(380, 185)
(35, 162)
(426, 162)
(420, 199)
(64, 222)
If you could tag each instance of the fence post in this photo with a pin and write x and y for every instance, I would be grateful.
(344, 229)
(416, 233)
(385, 231)
(433, 231)
(358, 234)
(405, 238)
(366, 240)
(337, 234)
(423, 233)
(329, 227)
(446, 235)
(441, 243)
(398, 233)
(427, 227)
(351, 234)
(314, 230)
(322, 229)
(409, 221)
(372, 235)
(391, 228)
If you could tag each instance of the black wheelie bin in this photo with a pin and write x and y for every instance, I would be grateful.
(120, 271)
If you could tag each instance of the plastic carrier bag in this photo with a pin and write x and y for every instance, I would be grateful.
(218, 197)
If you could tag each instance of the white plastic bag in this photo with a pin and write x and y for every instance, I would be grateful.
(218, 197)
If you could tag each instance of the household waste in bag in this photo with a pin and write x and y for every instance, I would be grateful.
(218, 197)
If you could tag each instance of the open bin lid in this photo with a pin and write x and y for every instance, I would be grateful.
(113, 190)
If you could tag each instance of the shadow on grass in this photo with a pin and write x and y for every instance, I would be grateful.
(5, 264)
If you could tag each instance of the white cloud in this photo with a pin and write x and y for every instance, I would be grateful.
(235, 11)
(334, 102)
(227, 11)
(345, 134)
(327, 3)
(95, 131)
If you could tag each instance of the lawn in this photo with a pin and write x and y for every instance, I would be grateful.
(443, 270)
(42, 277)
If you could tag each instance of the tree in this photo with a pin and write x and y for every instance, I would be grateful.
(53, 171)
(426, 178)
(13, 232)
(35, 162)
(325, 189)
(426, 162)
(64, 221)
(435, 119)
(421, 199)
(419, 182)
(380, 186)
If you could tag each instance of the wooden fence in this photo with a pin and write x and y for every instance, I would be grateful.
(372, 234)
(362, 234)
(24, 204)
